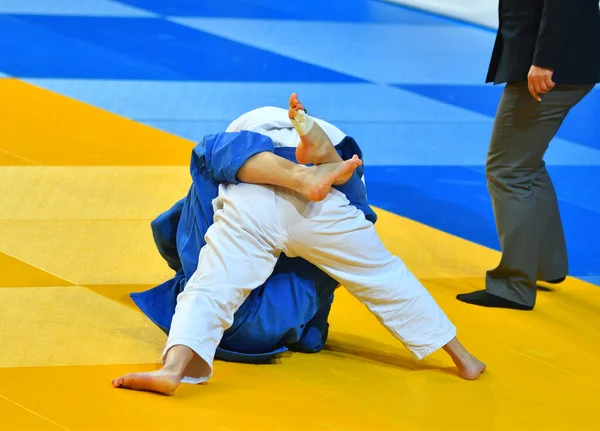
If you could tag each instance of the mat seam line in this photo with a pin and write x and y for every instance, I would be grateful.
(34, 413)
(16, 156)
(43, 270)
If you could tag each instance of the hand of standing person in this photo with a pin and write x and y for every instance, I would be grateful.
(539, 81)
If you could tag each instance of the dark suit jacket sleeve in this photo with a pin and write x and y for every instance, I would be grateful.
(552, 35)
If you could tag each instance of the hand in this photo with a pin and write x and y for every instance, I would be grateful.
(540, 81)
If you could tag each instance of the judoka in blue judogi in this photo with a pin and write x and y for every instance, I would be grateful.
(290, 310)
(235, 295)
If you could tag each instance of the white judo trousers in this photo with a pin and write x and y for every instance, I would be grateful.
(253, 226)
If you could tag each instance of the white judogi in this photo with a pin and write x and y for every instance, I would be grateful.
(275, 123)
(254, 224)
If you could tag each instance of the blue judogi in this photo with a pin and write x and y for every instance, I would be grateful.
(290, 310)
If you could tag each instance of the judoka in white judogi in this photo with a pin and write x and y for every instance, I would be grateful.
(253, 225)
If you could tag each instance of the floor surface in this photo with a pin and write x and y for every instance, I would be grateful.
(100, 103)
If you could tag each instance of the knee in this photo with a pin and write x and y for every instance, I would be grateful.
(494, 174)
(510, 182)
(506, 169)
(500, 172)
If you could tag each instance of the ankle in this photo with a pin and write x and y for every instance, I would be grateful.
(173, 369)
(326, 153)
(300, 176)
(456, 350)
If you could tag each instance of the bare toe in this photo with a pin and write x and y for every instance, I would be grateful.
(156, 381)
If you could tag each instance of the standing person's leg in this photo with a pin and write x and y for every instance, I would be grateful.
(337, 238)
(553, 264)
(242, 248)
(523, 197)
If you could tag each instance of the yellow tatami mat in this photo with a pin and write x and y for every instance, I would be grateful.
(17, 273)
(79, 187)
(44, 129)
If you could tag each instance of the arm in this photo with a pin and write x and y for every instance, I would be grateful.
(224, 154)
(250, 157)
(553, 31)
(554, 26)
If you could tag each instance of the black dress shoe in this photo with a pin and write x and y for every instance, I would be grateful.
(557, 281)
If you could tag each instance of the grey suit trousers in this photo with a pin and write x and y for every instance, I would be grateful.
(523, 197)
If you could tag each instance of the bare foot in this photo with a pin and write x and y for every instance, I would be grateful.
(161, 381)
(471, 368)
(317, 180)
(315, 146)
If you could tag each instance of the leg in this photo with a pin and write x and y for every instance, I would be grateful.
(164, 381)
(553, 264)
(524, 200)
(311, 182)
(242, 248)
(337, 238)
(315, 147)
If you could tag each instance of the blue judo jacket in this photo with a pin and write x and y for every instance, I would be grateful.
(290, 310)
